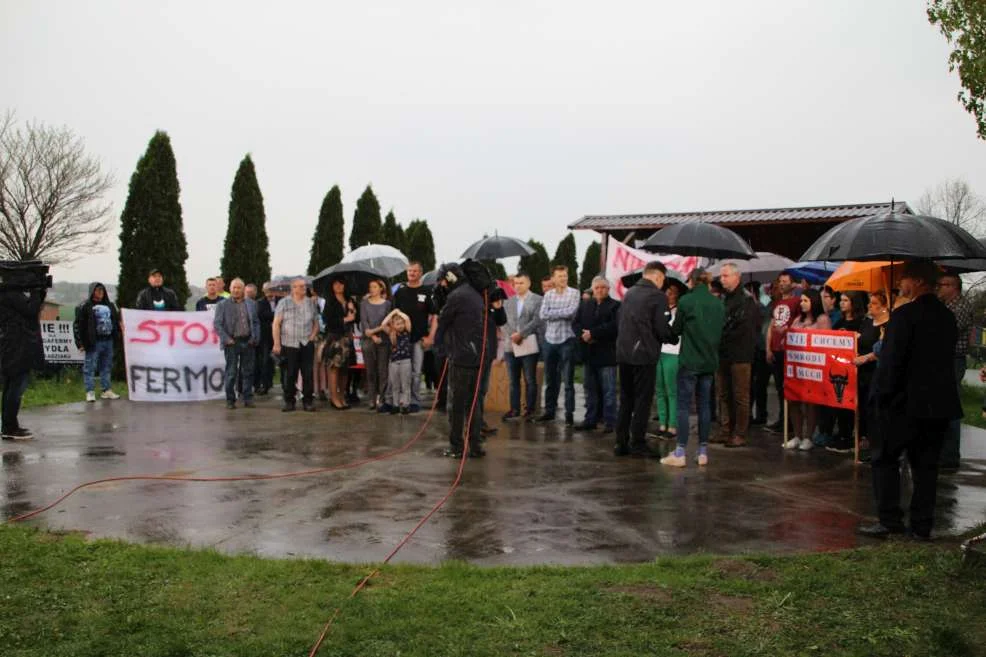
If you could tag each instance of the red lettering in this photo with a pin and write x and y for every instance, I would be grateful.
(203, 334)
(152, 331)
(147, 326)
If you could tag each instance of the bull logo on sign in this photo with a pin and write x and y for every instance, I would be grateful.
(839, 378)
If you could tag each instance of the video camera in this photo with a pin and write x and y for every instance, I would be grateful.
(24, 275)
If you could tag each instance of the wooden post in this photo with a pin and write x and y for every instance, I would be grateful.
(855, 432)
(785, 423)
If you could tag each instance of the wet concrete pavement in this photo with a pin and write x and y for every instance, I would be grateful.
(544, 494)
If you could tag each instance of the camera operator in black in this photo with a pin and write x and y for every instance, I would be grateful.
(20, 352)
(465, 323)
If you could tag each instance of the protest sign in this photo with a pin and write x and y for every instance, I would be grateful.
(172, 356)
(818, 368)
(622, 259)
(59, 343)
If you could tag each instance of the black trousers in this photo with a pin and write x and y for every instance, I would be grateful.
(14, 387)
(463, 382)
(298, 359)
(921, 439)
(636, 396)
(760, 377)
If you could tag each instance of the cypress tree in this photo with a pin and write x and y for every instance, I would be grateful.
(366, 220)
(590, 265)
(151, 232)
(245, 252)
(392, 234)
(565, 255)
(420, 244)
(330, 233)
(537, 265)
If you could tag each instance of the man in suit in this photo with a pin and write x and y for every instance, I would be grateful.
(238, 326)
(523, 323)
(915, 398)
(595, 328)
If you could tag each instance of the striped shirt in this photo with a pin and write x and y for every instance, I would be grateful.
(557, 311)
(962, 310)
(297, 321)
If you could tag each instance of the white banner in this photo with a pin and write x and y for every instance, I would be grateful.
(622, 259)
(172, 356)
(59, 343)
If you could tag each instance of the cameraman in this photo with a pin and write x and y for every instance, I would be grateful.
(20, 352)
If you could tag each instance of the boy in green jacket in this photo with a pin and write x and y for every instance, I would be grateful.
(699, 324)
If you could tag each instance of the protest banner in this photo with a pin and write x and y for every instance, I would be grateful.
(172, 356)
(622, 259)
(58, 341)
(818, 368)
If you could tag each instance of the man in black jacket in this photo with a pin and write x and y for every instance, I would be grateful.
(20, 352)
(155, 296)
(915, 398)
(463, 327)
(265, 363)
(96, 325)
(643, 327)
(736, 351)
(595, 328)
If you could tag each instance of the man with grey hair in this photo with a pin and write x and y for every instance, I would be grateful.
(238, 328)
(595, 327)
(736, 351)
(294, 331)
(250, 291)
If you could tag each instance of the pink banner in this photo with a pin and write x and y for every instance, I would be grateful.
(622, 259)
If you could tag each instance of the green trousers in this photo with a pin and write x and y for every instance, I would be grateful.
(667, 391)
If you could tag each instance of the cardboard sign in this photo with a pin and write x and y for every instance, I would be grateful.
(59, 343)
(173, 356)
(622, 259)
(818, 368)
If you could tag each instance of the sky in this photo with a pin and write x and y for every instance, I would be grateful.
(515, 117)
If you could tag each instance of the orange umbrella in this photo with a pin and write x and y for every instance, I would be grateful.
(863, 276)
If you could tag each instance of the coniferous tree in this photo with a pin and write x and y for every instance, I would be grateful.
(392, 234)
(497, 269)
(330, 233)
(565, 255)
(245, 251)
(420, 244)
(151, 232)
(536, 265)
(590, 265)
(366, 220)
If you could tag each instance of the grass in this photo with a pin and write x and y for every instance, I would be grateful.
(63, 595)
(66, 388)
(972, 405)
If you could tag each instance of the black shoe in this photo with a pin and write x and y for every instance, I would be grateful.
(839, 446)
(477, 452)
(19, 433)
(569, 419)
(921, 537)
(322, 396)
(394, 410)
(878, 530)
(249, 404)
(260, 392)
(609, 428)
(487, 430)
(642, 451)
(308, 407)
(510, 415)
(230, 404)
(352, 398)
(288, 407)
(453, 452)
(414, 408)
(384, 408)
(404, 410)
(547, 417)
(585, 426)
(621, 450)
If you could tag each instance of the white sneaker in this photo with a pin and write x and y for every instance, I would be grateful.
(90, 396)
(674, 461)
(109, 394)
(806, 445)
(793, 443)
(702, 459)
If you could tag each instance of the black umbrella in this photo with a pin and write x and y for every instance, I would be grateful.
(629, 279)
(895, 237)
(357, 276)
(430, 278)
(696, 238)
(283, 283)
(966, 266)
(497, 246)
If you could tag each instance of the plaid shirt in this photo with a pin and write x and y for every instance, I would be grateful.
(557, 312)
(962, 310)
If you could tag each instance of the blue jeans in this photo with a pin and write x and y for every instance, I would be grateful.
(239, 358)
(529, 366)
(600, 390)
(691, 384)
(559, 363)
(99, 359)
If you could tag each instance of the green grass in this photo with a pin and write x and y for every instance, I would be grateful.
(62, 390)
(62, 595)
(972, 405)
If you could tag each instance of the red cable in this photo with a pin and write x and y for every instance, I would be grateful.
(267, 477)
(455, 484)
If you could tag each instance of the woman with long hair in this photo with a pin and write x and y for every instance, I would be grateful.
(374, 308)
(804, 415)
(667, 371)
(852, 311)
(339, 315)
(871, 334)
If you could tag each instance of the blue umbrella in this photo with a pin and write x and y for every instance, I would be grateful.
(814, 272)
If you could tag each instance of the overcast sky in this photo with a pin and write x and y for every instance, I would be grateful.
(518, 117)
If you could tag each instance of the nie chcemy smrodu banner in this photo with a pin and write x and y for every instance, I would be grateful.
(172, 356)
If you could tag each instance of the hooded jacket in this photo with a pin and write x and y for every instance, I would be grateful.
(643, 325)
(84, 326)
(462, 324)
(20, 331)
(147, 296)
